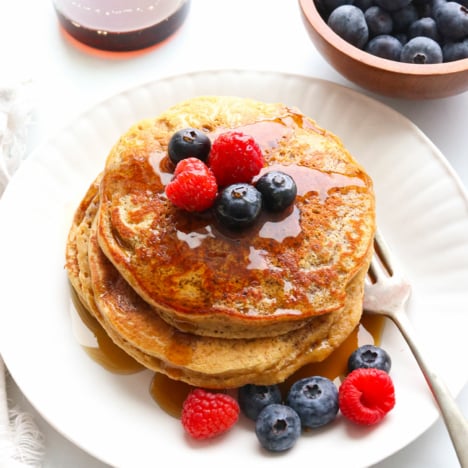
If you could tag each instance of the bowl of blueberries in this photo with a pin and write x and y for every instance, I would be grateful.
(410, 49)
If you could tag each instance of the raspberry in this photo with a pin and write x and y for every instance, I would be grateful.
(366, 396)
(235, 157)
(193, 187)
(206, 414)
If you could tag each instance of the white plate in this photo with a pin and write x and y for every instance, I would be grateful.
(422, 210)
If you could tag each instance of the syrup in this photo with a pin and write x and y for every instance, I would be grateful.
(96, 342)
(170, 394)
(192, 232)
(199, 239)
(121, 25)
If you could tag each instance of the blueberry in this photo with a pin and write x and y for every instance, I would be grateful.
(378, 21)
(436, 4)
(385, 46)
(426, 26)
(424, 7)
(455, 50)
(369, 356)
(278, 190)
(452, 20)
(402, 37)
(392, 5)
(315, 399)
(238, 205)
(403, 17)
(188, 143)
(421, 50)
(332, 4)
(349, 23)
(277, 427)
(363, 4)
(253, 398)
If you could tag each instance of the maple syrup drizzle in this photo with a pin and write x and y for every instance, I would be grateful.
(170, 394)
(198, 239)
(97, 343)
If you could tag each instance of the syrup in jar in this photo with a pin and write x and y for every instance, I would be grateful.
(121, 25)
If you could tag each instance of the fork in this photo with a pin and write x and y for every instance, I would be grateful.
(386, 293)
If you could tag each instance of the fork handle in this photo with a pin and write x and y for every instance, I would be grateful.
(455, 422)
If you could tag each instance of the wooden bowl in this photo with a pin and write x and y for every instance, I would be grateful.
(391, 78)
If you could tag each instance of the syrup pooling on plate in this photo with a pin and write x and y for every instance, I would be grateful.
(170, 394)
(97, 343)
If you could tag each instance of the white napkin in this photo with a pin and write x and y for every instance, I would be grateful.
(21, 442)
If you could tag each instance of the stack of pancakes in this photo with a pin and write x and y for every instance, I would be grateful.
(210, 306)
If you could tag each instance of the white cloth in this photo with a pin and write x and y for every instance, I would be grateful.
(15, 114)
(21, 442)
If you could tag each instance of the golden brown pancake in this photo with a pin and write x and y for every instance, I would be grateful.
(268, 280)
(76, 253)
(218, 308)
(199, 360)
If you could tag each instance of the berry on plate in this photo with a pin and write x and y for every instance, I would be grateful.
(315, 399)
(235, 157)
(366, 396)
(253, 398)
(189, 143)
(238, 205)
(193, 187)
(369, 356)
(206, 415)
(277, 427)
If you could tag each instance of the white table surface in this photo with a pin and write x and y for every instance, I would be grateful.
(245, 34)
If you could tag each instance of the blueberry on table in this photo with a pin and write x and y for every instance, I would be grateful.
(315, 399)
(277, 427)
(369, 356)
(421, 50)
(238, 205)
(385, 46)
(253, 398)
(188, 143)
(349, 23)
(278, 190)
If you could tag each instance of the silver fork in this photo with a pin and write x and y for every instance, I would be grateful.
(386, 293)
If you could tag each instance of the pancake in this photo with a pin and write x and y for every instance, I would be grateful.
(76, 254)
(266, 281)
(203, 361)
